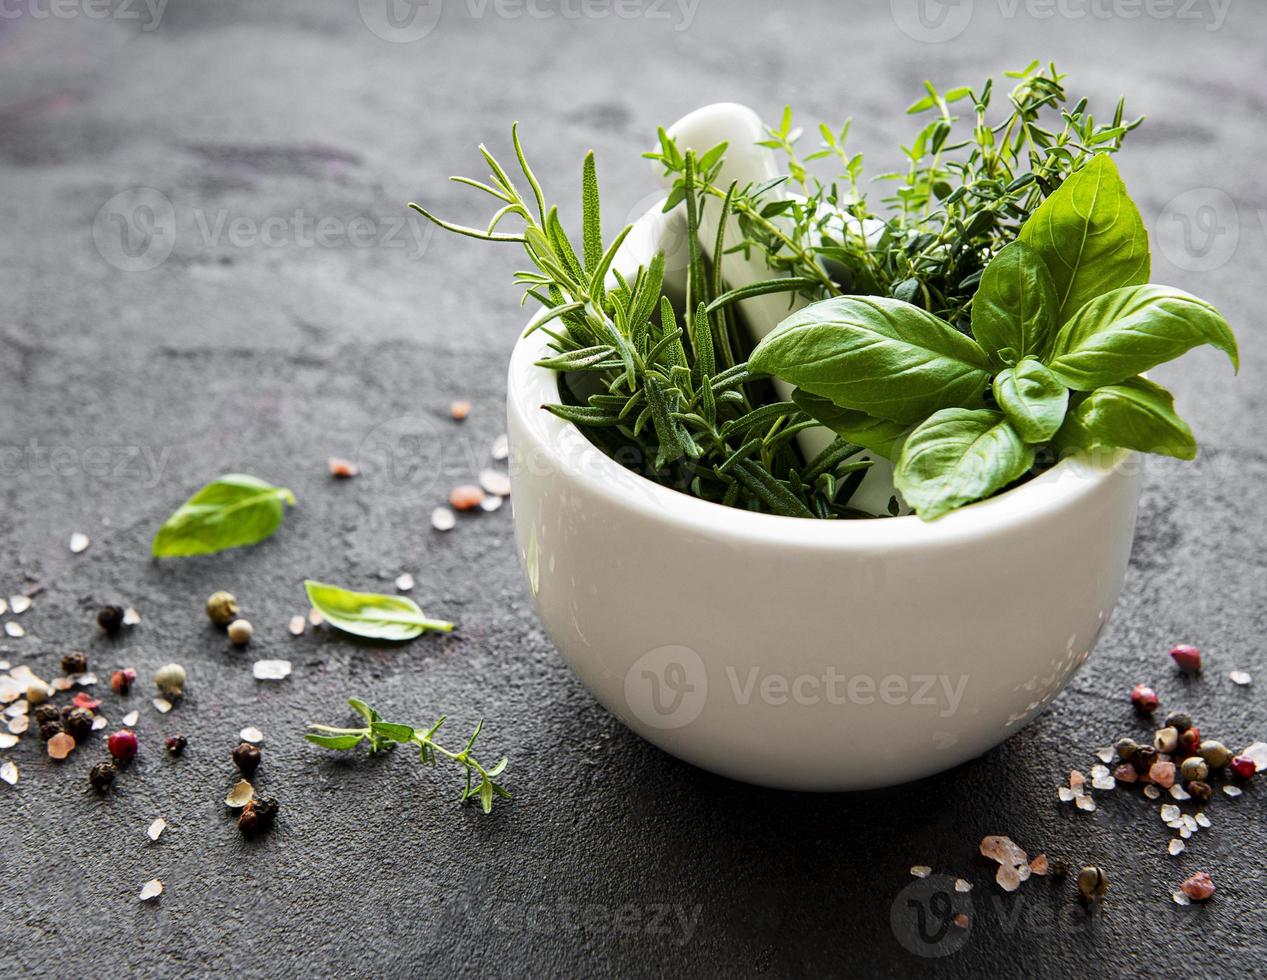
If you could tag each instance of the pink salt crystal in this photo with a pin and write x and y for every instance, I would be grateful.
(1076, 780)
(1125, 774)
(1163, 774)
(1003, 850)
(343, 468)
(1039, 865)
(60, 746)
(961, 920)
(465, 497)
(1008, 878)
(1199, 887)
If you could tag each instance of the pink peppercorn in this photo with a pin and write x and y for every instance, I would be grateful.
(121, 681)
(122, 745)
(1144, 698)
(1244, 766)
(1188, 658)
(1199, 887)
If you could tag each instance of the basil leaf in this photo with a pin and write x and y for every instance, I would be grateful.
(1033, 399)
(1127, 331)
(378, 617)
(957, 456)
(391, 732)
(230, 512)
(1136, 414)
(1015, 306)
(334, 741)
(875, 355)
(364, 710)
(878, 435)
(1090, 235)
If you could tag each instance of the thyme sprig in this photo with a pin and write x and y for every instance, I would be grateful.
(380, 735)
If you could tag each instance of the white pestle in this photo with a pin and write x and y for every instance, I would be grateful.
(741, 129)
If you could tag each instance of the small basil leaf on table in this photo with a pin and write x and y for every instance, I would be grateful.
(334, 741)
(880, 436)
(1136, 414)
(875, 355)
(230, 512)
(957, 456)
(1090, 235)
(391, 732)
(368, 614)
(1033, 399)
(1015, 307)
(1127, 331)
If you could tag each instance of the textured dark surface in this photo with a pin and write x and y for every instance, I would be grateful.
(269, 356)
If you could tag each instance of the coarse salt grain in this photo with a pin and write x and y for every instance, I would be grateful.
(131, 718)
(14, 630)
(1240, 677)
(101, 721)
(162, 705)
(464, 497)
(7, 741)
(1065, 794)
(443, 519)
(271, 670)
(9, 773)
(1169, 812)
(459, 410)
(501, 447)
(1180, 898)
(495, 482)
(1104, 782)
(240, 795)
(296, 626)
(1151, 791)
(1085, 803)
(18, 604)
(921, 870)
(1176, 846)
(79, 542)
(156, 829)
(1039, 865)
(404, 582)
(1179, 793)
(251, 734)
(60, 746)
(1202, 820)
(315, 618)
(343, 468)
(131, 617)
(19, 725)
(490, 504)
(1232, 791)
(962, 886)
(1257, 751)
(151, 890)
(1105, 754)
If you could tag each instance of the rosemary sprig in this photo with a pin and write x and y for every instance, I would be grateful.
(380, 735)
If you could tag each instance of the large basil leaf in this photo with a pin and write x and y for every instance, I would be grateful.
(1090, 235)
(379, 617)
(1127, 331)
(875, 355)
(229, 512)
(957, 456)
(1033, 399)
(1136, 414)
(1015, 306)
(878, 435)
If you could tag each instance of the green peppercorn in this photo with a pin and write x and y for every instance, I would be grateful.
(1215, 753)
(1180, 721)
(222, 608)
(101, 776)
(1195, 768)
(75, 663)
(247, 758)
(258, 815)
(170, 680)
(240, 632)
(1092, 882)
(1126, 747)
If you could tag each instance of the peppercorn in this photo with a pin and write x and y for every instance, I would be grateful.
(1165, 740)
(1126, 747)
(176, 744)
(1144, 758)
(258, 815)
(1144, 698)
(101, 776)
(79, 724)
(222, 608)
(49, 728)
(1200, 790)
(1243, 766)
(47, 712)
(240, 632)
(1195, 768)
(66, 710)
(122, 744)
(75, 663)
(121, 681)
(110, 619)
(1187, 657)
(1215, 753)
(247, 758)
(170, 680)
(36, 693)
(1180, 721)
(1092, 882)
(1190, 740)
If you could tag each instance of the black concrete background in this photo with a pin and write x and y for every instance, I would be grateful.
(268, 356)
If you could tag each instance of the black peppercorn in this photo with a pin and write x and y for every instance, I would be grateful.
(1180, 721)
(110, 619)
(49, 728)
(1144, 758)
(258, 815)
(75, 663)
(47, 712)
(101, 776)
(1092, 882)
(247, 758)
(176, 744)
(1200, 790)
(79, 723)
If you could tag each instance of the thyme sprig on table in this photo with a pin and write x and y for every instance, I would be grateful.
(380, 735)
(970, 183)
(663, 392)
